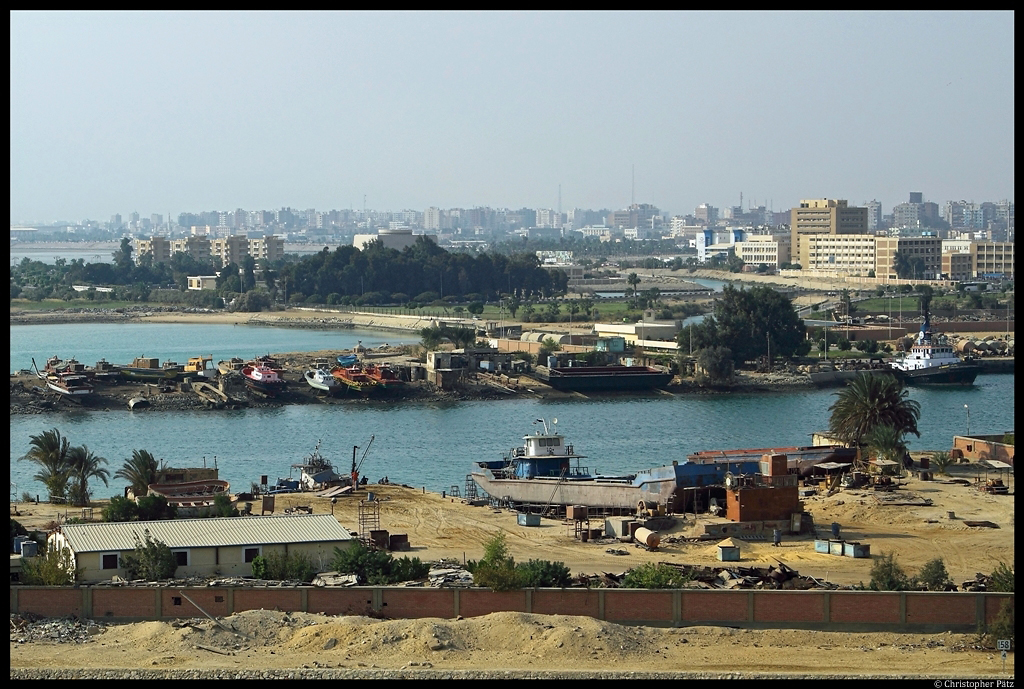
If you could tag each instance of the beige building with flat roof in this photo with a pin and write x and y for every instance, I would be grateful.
(928, 249)
(992, 259)
(224, 546)
(824, 216)
(853, 254)
(771, 250)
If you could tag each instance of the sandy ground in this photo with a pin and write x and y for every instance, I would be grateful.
(447, 528)
(444, 527)
(556, 645)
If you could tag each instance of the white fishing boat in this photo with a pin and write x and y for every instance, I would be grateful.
(323, 380)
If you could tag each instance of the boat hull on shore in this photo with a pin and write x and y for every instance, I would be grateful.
(601, 378)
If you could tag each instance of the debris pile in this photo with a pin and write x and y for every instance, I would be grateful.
(64, 630)
(700, 577)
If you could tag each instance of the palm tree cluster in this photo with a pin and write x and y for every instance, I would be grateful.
(65, 470)
(874, 411)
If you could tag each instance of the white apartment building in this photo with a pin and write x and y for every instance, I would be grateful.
(771, 250)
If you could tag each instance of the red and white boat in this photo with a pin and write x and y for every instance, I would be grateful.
(70, 383)
(263, 380)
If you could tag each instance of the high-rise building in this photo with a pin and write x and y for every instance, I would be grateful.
(824, 216)
(874, 214)
(706, 214)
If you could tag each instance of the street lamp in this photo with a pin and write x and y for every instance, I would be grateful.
(968, 419)
(334, 501)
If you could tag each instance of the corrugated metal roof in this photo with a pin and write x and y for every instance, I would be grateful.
(199, 533)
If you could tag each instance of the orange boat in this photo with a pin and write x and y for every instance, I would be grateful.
(385, 376)
(354, 378)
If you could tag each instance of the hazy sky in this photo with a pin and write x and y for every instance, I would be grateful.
(171, 112)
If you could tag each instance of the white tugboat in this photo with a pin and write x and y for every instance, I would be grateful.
(933, 362)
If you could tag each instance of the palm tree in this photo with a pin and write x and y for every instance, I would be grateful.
(84, 466)
(50, 452)
(885, 442)
(869, 401)
(139, 471)
(633, 281)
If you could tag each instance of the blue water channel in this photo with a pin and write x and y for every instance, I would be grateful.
(432, 444)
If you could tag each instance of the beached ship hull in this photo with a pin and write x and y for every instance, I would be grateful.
(609, 378)
(541, 475)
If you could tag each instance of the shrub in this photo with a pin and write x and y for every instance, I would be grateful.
(222, 506)
(537, 573)
(714, 365)
(259, 567)
(155, 508)
(934, 575)
(151, 560)
(1002, 579)
(377, 567)
(652, 575)
(1001, 627)
(887, 575)
(55, 568)
(282, 566)
(941, 461)
(497, 569)
(120, 509)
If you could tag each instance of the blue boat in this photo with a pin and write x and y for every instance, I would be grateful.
(347, 359)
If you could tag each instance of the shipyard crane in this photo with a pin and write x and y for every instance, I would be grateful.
(357, 467)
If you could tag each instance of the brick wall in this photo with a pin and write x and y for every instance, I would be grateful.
(637, 606)
(124, 602)
(834, 610)
(416, 603)
(875, 608)
(566, 602)
(781, 606)
(347, 601)
(921, 609)
(706, 606)
(288, 600)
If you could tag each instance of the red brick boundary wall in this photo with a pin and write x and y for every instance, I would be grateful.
(823, 610)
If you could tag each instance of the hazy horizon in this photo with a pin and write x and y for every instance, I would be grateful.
(175, 112)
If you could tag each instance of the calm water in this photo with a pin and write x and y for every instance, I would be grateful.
(120, 343)
(432, 445)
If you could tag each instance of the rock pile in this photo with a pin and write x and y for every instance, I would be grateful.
(64, 630)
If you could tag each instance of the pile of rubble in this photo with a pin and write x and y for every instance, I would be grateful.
(66, 630)
(700, 577)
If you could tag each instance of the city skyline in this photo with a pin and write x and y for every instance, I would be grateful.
(172, 112)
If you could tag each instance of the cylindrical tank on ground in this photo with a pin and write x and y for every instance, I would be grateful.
(649, 538)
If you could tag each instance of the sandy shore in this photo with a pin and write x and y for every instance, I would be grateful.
(573, 647)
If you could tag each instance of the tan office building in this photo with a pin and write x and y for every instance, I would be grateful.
(992, 259)
(957, 265)
(824, 216)
(771, 250)
(928, 249)
(849, 254)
